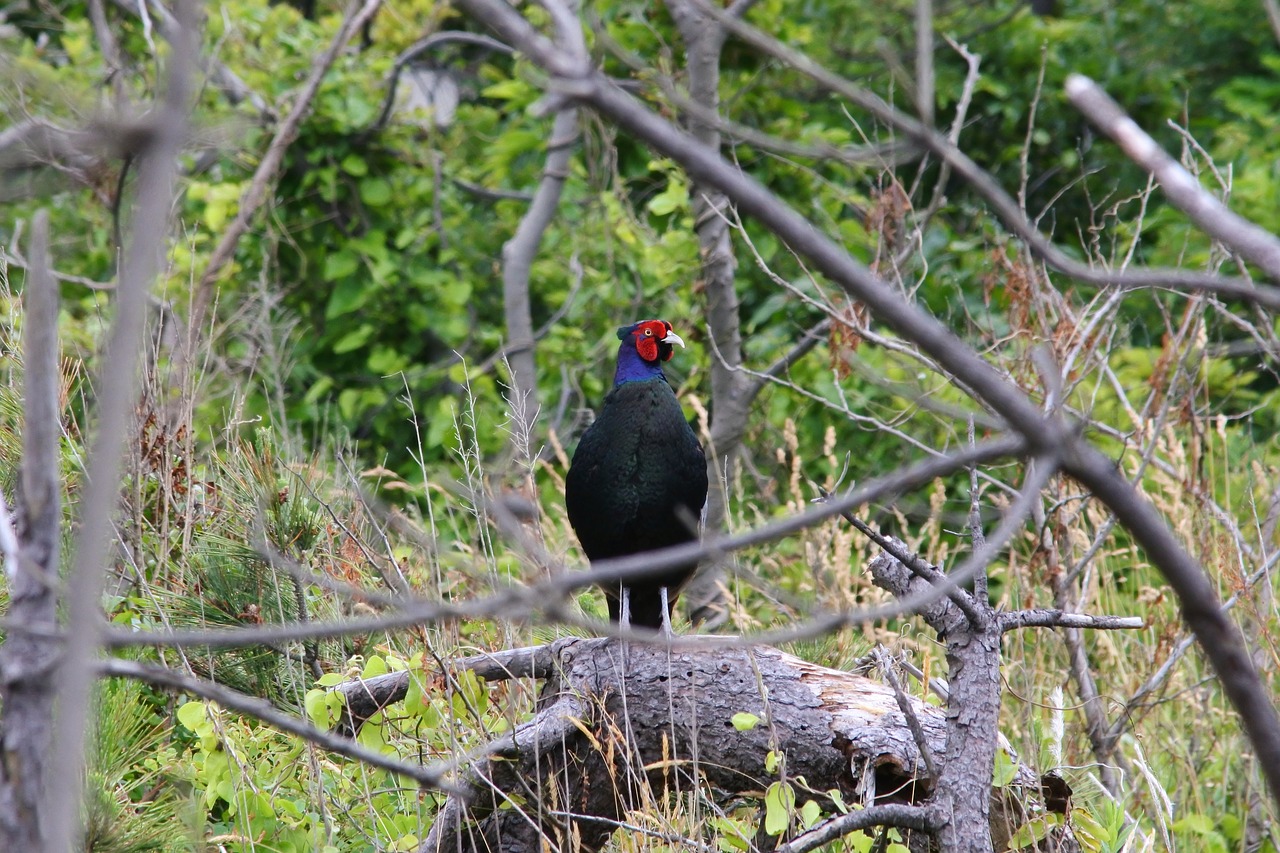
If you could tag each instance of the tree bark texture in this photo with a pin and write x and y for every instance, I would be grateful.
(973, 710)
(27, 655)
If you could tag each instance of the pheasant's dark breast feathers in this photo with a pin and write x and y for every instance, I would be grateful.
(638, 482)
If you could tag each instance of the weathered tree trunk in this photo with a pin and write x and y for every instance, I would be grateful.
(31, 563)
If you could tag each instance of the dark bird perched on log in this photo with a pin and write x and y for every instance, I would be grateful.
(638, 479)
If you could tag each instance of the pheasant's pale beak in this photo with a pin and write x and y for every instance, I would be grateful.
(672, 338)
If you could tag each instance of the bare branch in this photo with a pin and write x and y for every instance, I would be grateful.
(116, 395)
(1064, 619)
(908, 713)
(364, 697)
(924, 62)
(547, 595)
(1213, 217)
(889, 814)
(918, 567)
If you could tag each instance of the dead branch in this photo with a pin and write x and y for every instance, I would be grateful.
(1066, 619)
(365, 697)
(116, 389)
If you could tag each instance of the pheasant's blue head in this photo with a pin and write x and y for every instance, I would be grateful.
(645, 345)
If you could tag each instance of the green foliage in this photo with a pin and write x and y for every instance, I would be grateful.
(131, 802)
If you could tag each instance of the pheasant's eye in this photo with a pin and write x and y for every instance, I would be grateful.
(648, 333)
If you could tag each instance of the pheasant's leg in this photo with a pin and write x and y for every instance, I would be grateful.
(666, 613)
(624, 616)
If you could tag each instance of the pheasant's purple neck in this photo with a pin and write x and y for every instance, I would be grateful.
(633, 368)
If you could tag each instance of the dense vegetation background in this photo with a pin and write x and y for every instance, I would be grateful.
(343, 399)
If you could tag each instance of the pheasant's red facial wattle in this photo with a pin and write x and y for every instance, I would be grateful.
(649, 336)
(646, 344)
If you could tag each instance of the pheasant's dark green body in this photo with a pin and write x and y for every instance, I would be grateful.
(638, 480)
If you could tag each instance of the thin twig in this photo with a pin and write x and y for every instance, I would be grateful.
(1045, 618)
(1184, 191)
(908, 713)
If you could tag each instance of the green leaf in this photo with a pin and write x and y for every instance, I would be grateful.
(456, 292)
(375, 192)
(321, 387)
(339, 264)
(506, 90)
(193, 715)
(674, 197)
(779, 803)
(744, 722)
(384, 361)
(353, 339)
(1004, 770)
(317, 708)
(1034, 831)
(810, 812)
(354, 165)
(772, 760)
(349, 295)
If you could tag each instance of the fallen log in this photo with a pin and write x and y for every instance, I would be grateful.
(618, 722)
